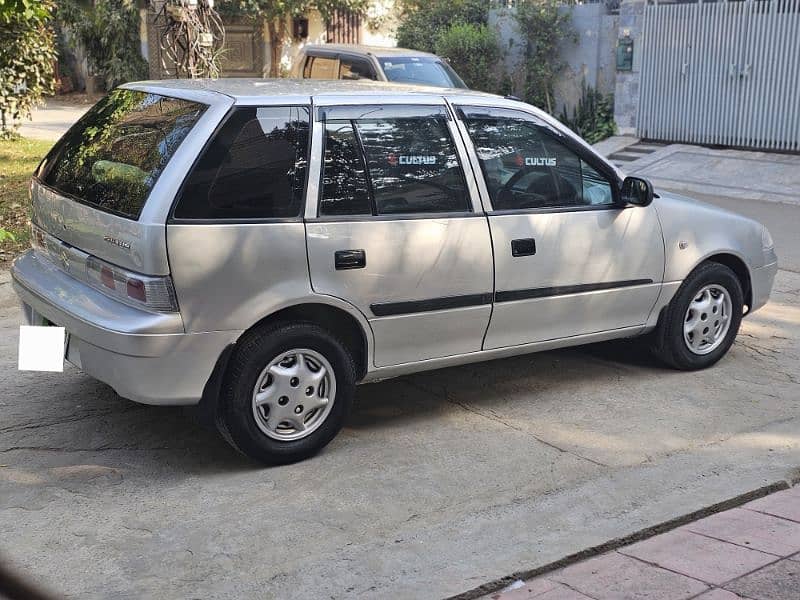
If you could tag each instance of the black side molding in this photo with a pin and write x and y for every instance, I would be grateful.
(385, 309)
(563, 290)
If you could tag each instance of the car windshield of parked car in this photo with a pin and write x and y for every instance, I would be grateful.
(420, 70)
(112, 157)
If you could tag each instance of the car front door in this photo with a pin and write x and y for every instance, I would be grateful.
(398, 230)
(569, 259)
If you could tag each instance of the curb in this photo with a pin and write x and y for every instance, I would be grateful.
(637, 536)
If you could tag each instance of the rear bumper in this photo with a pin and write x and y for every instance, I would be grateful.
(144, 356)
(761, 280)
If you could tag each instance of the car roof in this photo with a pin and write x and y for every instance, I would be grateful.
(241, 88)
(361, 49)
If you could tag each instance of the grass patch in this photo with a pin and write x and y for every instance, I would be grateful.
(18, 159)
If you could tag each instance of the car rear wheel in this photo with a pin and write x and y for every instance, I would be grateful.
(701, 322)
(287, 391)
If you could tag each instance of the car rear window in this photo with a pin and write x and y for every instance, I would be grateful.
(113, 156)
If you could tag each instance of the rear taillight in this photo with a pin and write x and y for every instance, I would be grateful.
(142, 291)
(153, 293)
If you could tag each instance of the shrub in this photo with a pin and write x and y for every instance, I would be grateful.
(544, 27)
(472, 50)
(27, 55)
(456, 30)
(593, 118)
(423, 21)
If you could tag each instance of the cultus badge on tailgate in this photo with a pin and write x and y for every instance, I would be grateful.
(116, 242)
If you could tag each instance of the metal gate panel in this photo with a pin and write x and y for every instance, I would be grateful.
(722, 73)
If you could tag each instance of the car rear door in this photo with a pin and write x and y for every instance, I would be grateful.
(398, 230)
(569, 259)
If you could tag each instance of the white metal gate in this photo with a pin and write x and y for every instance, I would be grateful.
(724, 72)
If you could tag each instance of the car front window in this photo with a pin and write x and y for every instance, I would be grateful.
(420, 70)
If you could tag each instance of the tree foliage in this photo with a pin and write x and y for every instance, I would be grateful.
(472, 50)
(422, 22)
(109, 32)
(593, 117)
(544, 27)
(458, 31)
(27, 56)
(277, 13)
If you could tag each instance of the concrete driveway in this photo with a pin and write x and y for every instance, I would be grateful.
(439, 483)
(51, 121)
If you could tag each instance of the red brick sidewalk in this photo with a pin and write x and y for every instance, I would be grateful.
(748, 552)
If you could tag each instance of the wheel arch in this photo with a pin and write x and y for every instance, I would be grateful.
(356, 336)
(739, 267)
(335, 315)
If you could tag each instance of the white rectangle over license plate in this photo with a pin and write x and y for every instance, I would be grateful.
(41, 348)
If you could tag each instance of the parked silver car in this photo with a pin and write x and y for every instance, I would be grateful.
(353, 62)
(259, 247)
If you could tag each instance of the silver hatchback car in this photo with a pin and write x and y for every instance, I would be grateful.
(260, 247)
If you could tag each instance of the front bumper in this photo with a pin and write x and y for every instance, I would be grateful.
(144, 356)
(761, 281)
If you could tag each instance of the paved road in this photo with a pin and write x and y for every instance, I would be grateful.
(51, 121)
(439, 483)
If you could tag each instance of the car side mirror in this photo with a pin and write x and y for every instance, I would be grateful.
(637, 191)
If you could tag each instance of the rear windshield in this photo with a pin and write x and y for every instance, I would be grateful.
(113, 156)
(420, 70)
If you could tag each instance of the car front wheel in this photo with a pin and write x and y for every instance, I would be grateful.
(702, 320)
(287, 392)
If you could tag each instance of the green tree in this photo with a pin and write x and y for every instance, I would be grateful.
(27, 56)
(593, 117)
(458, 31)
(276, 14)
(472, 50)
(109, 31)
(544, 27)
(422, 22)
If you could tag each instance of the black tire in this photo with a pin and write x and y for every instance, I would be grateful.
(234, 415)
(669, 345)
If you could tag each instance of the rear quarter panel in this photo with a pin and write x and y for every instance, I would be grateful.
(229, 276)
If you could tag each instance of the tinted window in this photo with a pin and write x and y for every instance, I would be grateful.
(113, 156)
(344, 180)
(420, 70)
(411, 164)
(355, 68)
(254, 168)
(323, 68)
(526, 166)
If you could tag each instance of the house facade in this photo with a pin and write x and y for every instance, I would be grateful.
(247, 43)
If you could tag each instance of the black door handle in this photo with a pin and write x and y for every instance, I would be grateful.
(349, 259)
(523, 247)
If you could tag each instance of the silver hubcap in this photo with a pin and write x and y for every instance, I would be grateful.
(708, 319)
(294, 394)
